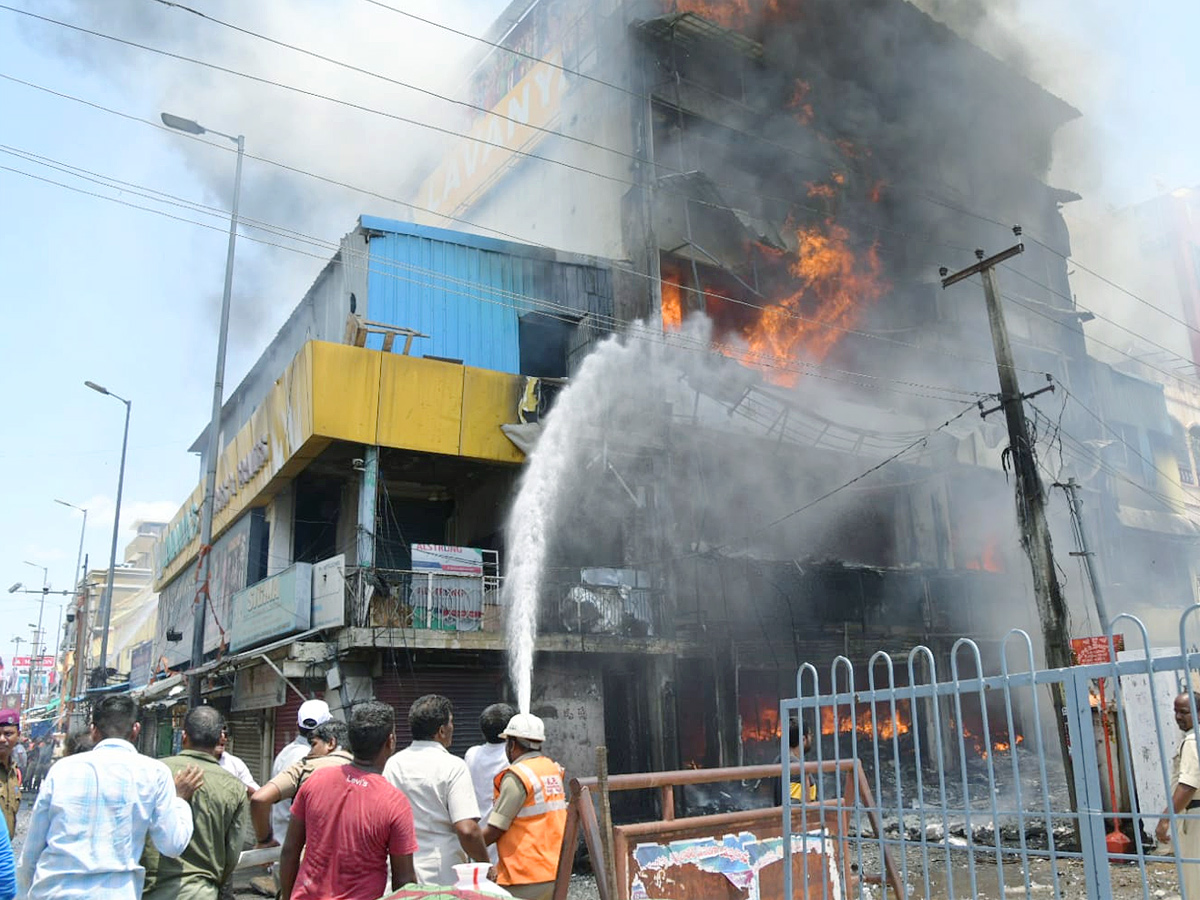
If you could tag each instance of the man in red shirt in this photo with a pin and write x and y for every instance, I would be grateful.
(350, 822)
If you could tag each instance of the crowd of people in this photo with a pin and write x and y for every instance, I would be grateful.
(349, 813)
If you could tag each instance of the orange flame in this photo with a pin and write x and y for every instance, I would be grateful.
(1000, 744)
(800, 102)
(672, 302)
(834, 287)
(734, 14)
(766, 728)
(989, 560)
(868, 722)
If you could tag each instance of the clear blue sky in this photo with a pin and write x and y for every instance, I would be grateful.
(93, 290)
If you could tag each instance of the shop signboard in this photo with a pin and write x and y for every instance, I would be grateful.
(258, 687)
(237, 559)
(329, 593)
(447, 587)
(140, 662)
(273, 608)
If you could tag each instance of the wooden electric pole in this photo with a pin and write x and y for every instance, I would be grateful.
(1031, 496)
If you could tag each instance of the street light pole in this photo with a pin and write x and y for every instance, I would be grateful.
(82, 530)
(106, 599)
(214, 425)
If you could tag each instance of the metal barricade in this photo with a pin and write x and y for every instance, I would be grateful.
(969, 783)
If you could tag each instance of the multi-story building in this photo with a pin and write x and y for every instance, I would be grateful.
(798, 172)
(789, 171)
(362, 485)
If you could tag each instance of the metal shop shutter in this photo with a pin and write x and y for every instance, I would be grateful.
(470, 690)
(246, 738)
(285, 721)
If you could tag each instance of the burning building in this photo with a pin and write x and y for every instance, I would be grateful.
(793, 172)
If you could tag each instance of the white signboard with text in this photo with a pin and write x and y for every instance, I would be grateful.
(273, 608)
(329, 593)
(447, 587)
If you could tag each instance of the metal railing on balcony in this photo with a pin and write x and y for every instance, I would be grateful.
(438, 601)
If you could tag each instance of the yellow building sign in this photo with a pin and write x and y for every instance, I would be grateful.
(336, 392)
(496, 140)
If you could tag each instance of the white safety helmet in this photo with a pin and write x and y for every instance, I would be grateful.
(526, 728)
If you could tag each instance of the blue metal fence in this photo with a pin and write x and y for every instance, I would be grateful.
(986, 811)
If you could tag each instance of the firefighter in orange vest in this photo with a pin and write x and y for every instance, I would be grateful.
(529, 814)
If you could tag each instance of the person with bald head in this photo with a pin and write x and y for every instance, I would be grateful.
(1185, 780)
(218, 811)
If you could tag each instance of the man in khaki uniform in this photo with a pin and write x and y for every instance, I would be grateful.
(328, 749)
(1185, 779)
(10, 776)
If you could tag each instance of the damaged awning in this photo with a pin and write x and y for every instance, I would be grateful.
(689, 30)
(1159, 522)
(710, 230)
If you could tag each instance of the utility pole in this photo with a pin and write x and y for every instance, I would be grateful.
(1085, 550)
(16, 652)
(1031, 496)
(35, 662)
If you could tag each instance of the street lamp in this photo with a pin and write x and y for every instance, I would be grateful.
(37, 655)
(214, 425)
(79, 556)
(106, 600)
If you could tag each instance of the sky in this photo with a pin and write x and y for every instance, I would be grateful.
(101, 291)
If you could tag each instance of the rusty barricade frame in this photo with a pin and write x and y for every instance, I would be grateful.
(834, 816)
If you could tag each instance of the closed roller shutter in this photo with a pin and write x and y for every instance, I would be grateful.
(285, 721)
(470, 690)
(247, 743)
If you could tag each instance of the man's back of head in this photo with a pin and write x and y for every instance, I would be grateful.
(333, 733)
(202, 727)
(372, 726)
(493, 720)
(427, 715)
(115, 717)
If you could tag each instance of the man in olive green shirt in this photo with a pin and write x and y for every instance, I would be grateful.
(217, 811)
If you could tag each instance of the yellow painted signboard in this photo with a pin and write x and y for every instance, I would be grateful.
(515, 124)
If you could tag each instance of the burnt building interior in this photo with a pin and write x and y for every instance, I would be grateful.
(804, 167)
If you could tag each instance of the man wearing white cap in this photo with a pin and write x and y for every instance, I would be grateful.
(529, 814)
(312, 713)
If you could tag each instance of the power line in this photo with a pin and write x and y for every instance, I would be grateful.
(1096, 340)
(404, 84)
(757, 136)
(793, 202)
(816, 500)
(626, 268)
(568, 314)
(1124, 290)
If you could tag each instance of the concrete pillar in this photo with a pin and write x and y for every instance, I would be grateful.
(368, 492)
(281, 540)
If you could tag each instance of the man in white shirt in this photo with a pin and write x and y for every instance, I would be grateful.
(234, 764)
(486, 761)
(93, 814)
(438, 787)
(311, 714)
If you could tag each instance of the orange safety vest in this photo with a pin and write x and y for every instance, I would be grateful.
(529, 850)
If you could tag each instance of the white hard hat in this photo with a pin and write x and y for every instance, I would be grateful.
(525, 727)
(313, 713)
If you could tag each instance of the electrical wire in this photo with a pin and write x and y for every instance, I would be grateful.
(418, 123)
(757, 136)
(749, 536)
(564, 312)
(793, 202)
(616, 264)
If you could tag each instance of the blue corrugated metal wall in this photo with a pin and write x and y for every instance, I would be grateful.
(464, 291)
